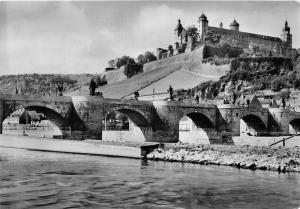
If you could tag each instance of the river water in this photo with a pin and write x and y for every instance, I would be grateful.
(31, 179)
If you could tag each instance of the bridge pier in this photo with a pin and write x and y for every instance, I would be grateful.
(166, 136)
(90, 112)
(94, 121)
(229, 120)
(148, 133)
(281, 117)
(1, 114)
(167, 124)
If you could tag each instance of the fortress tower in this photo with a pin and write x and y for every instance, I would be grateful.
(233, 36)
(178, 32)
(234, 25)
(286, 36)
(221, 25)
(202, 25)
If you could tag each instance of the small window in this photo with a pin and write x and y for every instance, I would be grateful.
(237, 114)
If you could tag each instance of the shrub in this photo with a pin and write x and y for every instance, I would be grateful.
(297, 83)
(145, 58)
(132, 69)
(211, 38)
(191, 31)
(101, 80)
(124, 61)
(278, 83)
(62, 79)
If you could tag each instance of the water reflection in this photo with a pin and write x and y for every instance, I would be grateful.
(39, 179)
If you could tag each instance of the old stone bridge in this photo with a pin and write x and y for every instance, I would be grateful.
(82, 117)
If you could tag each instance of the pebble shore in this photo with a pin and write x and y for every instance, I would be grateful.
(279, 159)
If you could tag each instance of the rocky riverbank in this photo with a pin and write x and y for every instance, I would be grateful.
(249, 157)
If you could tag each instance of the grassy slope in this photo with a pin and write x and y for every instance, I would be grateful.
(181, 71)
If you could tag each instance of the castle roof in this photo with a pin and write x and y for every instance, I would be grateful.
(178, 26)
(203, 16)
(234, 23)
(286, 27)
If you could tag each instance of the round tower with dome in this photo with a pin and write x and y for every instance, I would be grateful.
(234, 25)
(202, 25)
(178, 32)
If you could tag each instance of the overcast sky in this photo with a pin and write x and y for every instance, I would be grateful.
(80, 37)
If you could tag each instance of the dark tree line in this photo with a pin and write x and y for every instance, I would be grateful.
(131, 66)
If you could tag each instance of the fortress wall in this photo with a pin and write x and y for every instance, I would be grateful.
(115, 75)
(191, 61)
(176, 59)
(244, 39)
(209, 51)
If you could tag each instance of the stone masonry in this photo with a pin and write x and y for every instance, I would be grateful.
(158, 120)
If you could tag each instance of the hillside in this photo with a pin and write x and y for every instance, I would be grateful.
(273, 76)
(42, 83)
(181, 71)
(210, 76)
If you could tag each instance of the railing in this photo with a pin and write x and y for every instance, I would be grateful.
(155, 96)
(201, 101)
(146, 95)
(283, 140)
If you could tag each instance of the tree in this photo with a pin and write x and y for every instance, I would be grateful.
(145, 58)
(211, 37)
(140, 59)
(132, 69)
(191, 31)
(112, 63)
(63, 79)
(277, 84)
(124, 61)
(149, 56)
(101, 80)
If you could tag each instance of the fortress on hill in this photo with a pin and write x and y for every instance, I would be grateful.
(186, 41)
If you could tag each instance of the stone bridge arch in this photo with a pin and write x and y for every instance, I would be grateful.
(201, 120)
(12, 106)
(253, 123)
(201, 116)
(59, 110)
(135, 115)
(48, 110)
(140, 118)
(294, 125)
(201, 127)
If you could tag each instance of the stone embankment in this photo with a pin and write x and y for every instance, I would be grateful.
(249, 157)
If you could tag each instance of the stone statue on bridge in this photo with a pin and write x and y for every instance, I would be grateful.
(60, 90)
(170, 91)
(136, 95)
(93, 87)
